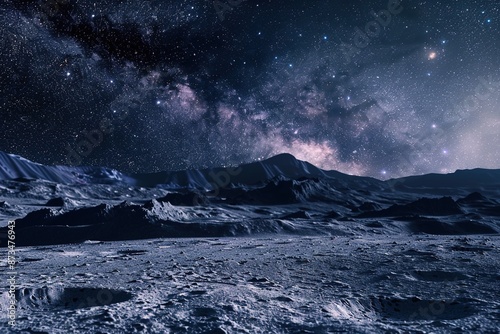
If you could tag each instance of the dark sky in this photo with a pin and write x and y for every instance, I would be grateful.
(160, 85)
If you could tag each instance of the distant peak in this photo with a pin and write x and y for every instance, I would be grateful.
(282, 157)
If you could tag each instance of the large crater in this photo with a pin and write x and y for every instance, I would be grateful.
(401, 309)
(67, 297)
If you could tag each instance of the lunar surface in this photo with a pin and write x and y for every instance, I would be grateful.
(275, 246)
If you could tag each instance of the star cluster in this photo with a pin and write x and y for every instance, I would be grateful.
(378, 88)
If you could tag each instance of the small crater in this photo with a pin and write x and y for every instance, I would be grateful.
(204, 312)
(479, 249)
(132, 252)
(438, 276)
(375, 224)
(31, 259)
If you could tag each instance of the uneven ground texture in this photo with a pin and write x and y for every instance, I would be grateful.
(276, 284)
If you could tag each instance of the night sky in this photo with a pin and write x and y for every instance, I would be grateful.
(375, 88)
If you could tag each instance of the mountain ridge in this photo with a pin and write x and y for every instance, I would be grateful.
(283, 165)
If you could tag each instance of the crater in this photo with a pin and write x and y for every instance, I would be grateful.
(415, 309)
(68, 298)
(132, 252)
(401, 309)
(438, 276)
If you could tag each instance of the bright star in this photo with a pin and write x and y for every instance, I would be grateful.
(432, 55)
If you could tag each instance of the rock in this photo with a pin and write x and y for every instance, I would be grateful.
(58, 201)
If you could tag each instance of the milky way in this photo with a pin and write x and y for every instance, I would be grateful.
(378, 88)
